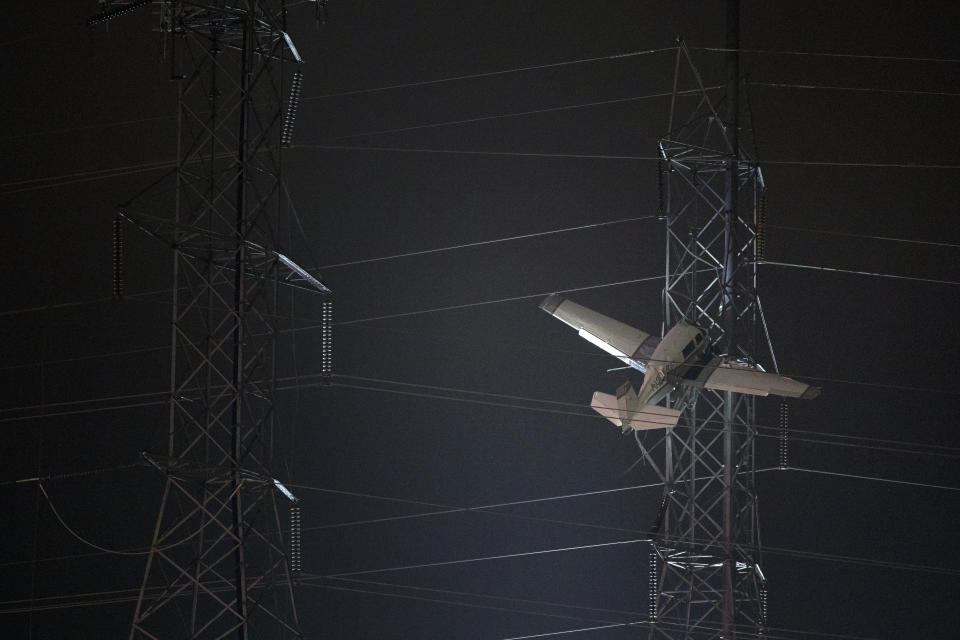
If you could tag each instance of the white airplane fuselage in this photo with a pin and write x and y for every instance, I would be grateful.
(681, 349)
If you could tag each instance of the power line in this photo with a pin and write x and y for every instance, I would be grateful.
(79, 303)
(115, 596)
(35, 184)
(472, 152)
(488, 74)
(924, 485)
(298, 379)
(497, 301)
(553, 634)
(73, 474)
(129, 595)
(563, 605)
(446, 509)
(504, 556)
(450, 602)
(486, 509)
(420, 83)
(913, 92)
(678, 624)
(483, 509)
(666, 94)
(48, 182)
(681, 625)
(71, 556)
(880, 385)
(871, 165)
(92, 545)
(830, 232)
(66, 403)
(71, 531)
(112, 354)
(815, 555)
(778, 85)
(479, 243)
(86, 127)
(558, 605)
(858, 273)
(601, 156)
(396, 256)
(948, 452)
(824, 54)
(76, 412)
(509, 401)
(517, 114)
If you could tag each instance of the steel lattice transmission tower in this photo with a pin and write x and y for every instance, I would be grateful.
(219, 564)
(706, 578)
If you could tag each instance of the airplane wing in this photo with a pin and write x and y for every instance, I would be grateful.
(731, 376)
(632, 346)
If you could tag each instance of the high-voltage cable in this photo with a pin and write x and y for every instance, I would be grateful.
(487, 510)
(457, 395)
(480, 243)
(518, 114)
(35, 184)
(827, 54)
(855, 272)
(608, 156)
(866, 236)
(778, 85)
(488, 74)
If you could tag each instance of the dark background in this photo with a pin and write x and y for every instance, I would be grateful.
(78, 101)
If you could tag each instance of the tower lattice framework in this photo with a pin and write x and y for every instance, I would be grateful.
(706, 579)
(220, 564)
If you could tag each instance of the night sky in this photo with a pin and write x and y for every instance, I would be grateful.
(536, 122)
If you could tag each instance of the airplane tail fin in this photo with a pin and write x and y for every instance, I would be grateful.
(627, 413)
(606, 405)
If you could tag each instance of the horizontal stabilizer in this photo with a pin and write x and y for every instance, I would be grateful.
(631, 415)
(632, 346)
(606, 405)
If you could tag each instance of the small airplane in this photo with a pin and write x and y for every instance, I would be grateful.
(682, 358)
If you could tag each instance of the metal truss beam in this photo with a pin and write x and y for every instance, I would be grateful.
(706, 543)
(219, 564)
